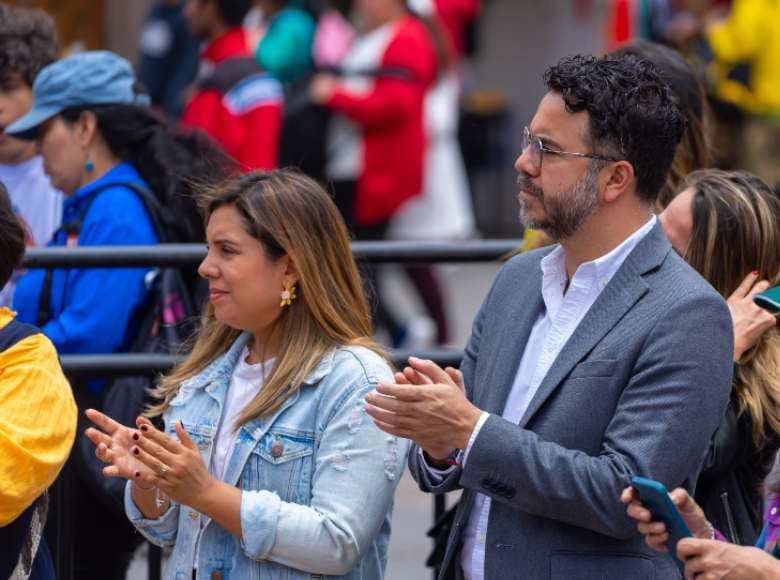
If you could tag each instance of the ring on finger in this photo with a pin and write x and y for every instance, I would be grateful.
(164, 469)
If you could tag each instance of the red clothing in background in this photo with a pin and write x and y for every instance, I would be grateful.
(456, 15)
(236, 103)
(390, 117)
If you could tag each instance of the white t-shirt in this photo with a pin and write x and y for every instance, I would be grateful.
(245, 384)
(35, 201)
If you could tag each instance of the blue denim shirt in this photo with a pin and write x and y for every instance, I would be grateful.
(318, 478)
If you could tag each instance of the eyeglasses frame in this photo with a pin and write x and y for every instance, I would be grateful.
(529, 138)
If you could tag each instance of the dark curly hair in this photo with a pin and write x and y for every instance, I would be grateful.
(633, 113)
(694, 151)
(28, 42)
(12, 238)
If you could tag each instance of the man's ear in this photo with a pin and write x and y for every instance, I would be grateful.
(618, 179)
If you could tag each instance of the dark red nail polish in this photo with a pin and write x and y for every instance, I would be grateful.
(144, 428)
(135, 436)
(138, 474)
(136, 450)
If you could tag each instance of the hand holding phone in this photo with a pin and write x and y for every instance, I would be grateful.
(655, 498)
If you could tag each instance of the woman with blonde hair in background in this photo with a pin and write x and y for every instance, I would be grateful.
(268, 465)
(727, 227)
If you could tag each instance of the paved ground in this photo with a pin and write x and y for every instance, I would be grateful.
(465, 288)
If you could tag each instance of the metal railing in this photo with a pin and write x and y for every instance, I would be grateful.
(192, 254)
(189, 255)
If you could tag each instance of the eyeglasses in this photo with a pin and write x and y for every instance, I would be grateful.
(538, 149)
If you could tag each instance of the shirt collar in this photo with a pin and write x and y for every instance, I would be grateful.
(601, 269)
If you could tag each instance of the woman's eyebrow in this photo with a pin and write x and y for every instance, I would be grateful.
(222, 240)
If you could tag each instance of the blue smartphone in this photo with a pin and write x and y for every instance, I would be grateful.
(655, 498)
(769, 300)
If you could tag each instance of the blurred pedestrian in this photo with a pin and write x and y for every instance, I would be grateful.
(169, 56)
(104, 149)
(443, 210)
(285, 49)
(234, 100)
(743, 49)
(27, 44)
(37, 424)
(376, 139)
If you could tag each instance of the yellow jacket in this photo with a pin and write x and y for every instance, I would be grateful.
(37, 421)
(750, 34)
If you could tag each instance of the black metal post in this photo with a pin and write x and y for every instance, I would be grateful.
(154, 562)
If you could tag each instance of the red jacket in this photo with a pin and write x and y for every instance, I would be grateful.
(455, 15)
(391, 119)
(238, 104)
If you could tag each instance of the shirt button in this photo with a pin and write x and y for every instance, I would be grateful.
(193, 515)
(277, 448)
(773, 511)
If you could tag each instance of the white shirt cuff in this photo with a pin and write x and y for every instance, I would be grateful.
(437, 475)
(481, 421)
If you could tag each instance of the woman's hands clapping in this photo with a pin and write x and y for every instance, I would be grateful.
(151, 458)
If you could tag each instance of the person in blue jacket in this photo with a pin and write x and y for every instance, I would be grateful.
(103, 147)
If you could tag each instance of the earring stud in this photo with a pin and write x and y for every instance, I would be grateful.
(287, 295)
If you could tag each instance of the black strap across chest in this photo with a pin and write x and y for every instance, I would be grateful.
(73, 228)
(15, 332)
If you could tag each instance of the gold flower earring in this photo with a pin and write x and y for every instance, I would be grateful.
(287, 295)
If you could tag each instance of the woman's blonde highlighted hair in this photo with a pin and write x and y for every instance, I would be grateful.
(290, 214)
(736, 230)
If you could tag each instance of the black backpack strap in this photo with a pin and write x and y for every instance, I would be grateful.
(229, 73)
(73, 228)
(394, 72)
(14, 332)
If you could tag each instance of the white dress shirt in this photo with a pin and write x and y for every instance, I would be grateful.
(556, 323)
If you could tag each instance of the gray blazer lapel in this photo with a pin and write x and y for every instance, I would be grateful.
(520, 313)
(620, 295)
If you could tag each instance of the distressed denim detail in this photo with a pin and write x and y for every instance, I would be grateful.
(317, 476)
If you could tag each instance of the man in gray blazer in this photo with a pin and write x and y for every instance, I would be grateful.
(603, 357)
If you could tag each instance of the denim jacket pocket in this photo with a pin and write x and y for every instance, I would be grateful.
(282, 462)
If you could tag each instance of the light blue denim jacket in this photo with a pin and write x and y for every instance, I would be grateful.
(318, 478)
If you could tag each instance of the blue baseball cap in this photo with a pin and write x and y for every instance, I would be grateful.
(89, 78)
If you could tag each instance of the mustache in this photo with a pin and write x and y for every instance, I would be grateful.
(525, 183)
